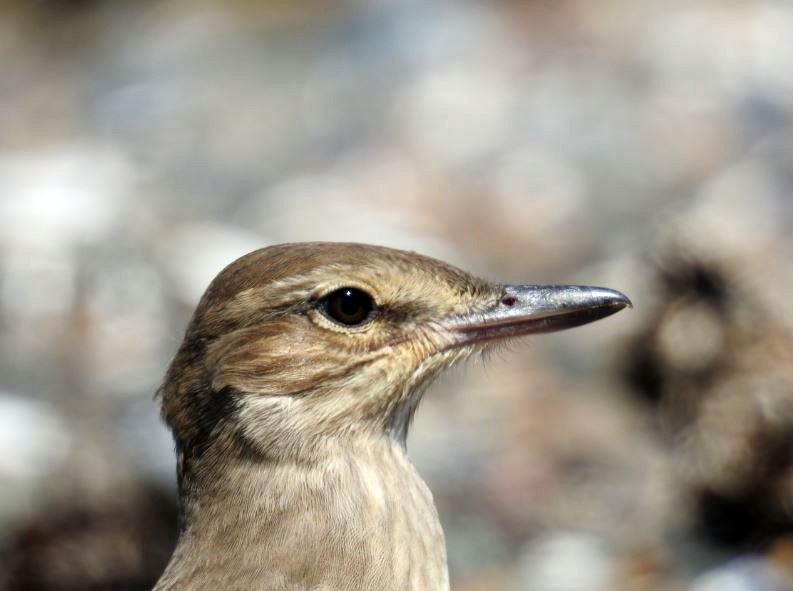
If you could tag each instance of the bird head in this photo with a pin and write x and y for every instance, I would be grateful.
(296, 346)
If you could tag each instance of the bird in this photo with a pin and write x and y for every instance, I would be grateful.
(290, 400)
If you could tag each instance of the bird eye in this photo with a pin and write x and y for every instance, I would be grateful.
(348, 306)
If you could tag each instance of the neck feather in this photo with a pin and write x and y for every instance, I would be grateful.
(361, 518)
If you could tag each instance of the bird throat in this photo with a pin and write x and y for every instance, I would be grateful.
(361, 518)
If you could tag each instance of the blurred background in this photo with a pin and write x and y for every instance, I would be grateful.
(645, 146)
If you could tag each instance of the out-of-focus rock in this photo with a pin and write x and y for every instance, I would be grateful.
(743, 574)
(36, 443)
(69, 194)
(570, 561)
(194, 253)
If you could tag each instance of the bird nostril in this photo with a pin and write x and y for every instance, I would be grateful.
(509, 301)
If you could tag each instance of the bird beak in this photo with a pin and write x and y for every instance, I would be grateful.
(532, 309)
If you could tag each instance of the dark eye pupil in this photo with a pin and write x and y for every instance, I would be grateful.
(349, 305)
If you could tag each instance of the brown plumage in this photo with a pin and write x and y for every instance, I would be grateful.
(290, 400)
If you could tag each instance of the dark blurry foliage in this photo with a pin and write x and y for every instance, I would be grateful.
(648, 370)
(726, 415)
(119, 545)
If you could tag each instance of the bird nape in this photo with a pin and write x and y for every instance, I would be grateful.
(290, 400)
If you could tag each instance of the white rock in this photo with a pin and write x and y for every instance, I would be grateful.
(743, 574)
(72, 192)
(194, 253)
(33, 439)
(566, 561)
